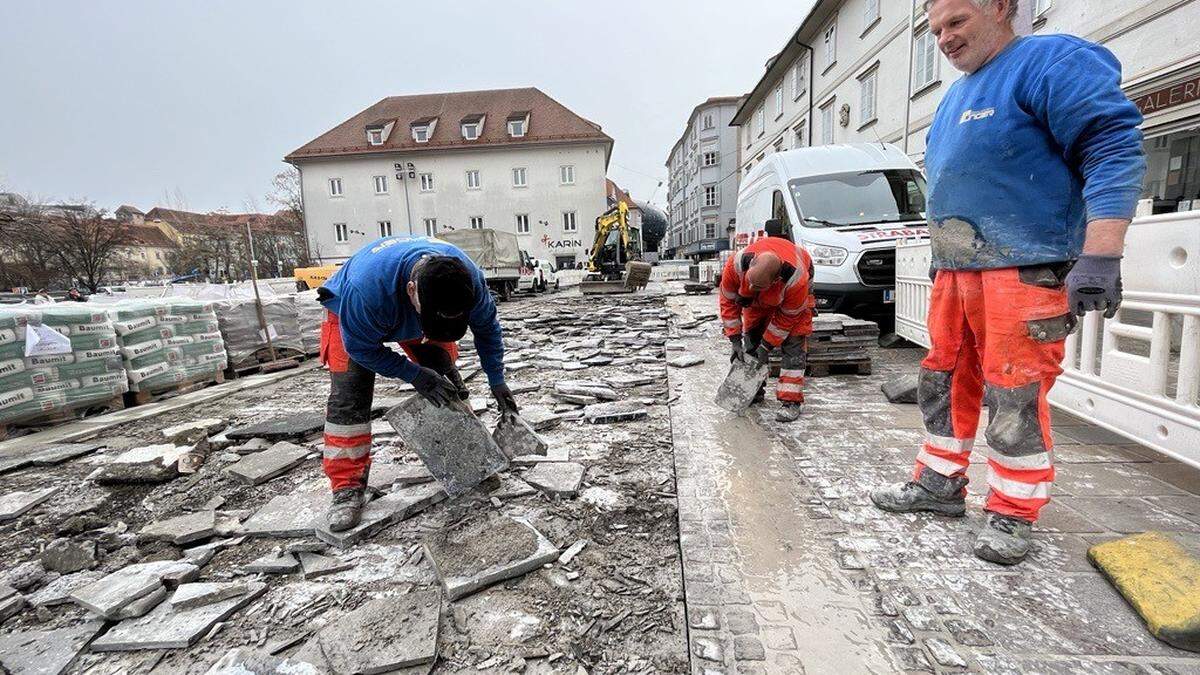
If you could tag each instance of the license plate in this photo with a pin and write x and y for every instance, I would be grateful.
(889, 297)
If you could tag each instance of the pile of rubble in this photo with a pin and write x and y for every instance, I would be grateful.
(194, 539)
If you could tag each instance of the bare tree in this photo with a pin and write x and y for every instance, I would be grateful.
(28, 252)
(88, 246)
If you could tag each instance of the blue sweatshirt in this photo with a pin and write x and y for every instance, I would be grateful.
(1026, 150)
(372, 307)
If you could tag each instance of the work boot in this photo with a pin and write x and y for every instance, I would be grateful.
(931, 492)
(760, 396)
(1003, 539)
(346, 509)
(790, 412)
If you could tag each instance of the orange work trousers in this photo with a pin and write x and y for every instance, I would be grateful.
(997, 337)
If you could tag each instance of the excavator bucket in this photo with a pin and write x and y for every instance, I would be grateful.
(637, 275)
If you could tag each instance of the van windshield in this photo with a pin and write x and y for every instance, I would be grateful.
(859, 198)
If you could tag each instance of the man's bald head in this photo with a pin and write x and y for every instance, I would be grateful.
(764, 270)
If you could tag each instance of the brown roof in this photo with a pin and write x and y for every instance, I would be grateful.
(616, 194)
(549, 122)
(148, 235)
(189, 223)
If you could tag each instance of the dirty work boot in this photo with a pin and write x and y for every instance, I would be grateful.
(1003, 539)
(760, 396)
(346, 509)
(931, 492)
(790, 412)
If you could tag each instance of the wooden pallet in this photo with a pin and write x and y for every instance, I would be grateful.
(839, 368)
(66, 415)
(143, 397)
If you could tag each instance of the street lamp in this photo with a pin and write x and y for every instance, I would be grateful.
(411, 171)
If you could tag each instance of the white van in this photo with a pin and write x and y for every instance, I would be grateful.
(847, 205)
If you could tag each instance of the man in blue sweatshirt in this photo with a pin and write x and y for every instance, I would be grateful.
(1034, 166)
(422, 294)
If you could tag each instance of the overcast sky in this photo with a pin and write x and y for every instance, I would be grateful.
(145, 103)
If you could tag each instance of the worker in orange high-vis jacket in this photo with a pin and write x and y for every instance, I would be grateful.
(1034, 163)
(766, 304)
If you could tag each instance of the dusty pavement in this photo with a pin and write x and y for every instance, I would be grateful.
(788, 568)
(617, 606)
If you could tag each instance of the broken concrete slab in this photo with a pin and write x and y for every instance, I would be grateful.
(618, 411)
(574, 550)
(475, 555)
(316, 565)
(183, 529)
(556, 479)
(16, 504)
(147, 464)
(453, 444)
(685, 361)
(586, 388)
(143, 605)
(479, 404)
(902, 389)
(391, 508)
(516, 437)
(294, 515)
(275, 563)
(251, 446)
(59, 591)
(57, 454)
(384, 635)
(191, 432)
(245, 661)
(11, 606)
(45, 652)
(170, 628)
(292, 427)
(558, 454)
(190, 596)
(743, 382)
(263, 466)
(384, 477)
(66, 556)
(629, 381)
(541, 419)
(114, 591)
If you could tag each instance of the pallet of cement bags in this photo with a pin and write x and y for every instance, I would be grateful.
(245, 341)
(56, 360)
(310, 314)
(168, 343)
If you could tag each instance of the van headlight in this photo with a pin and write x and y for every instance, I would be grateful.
(831, 256)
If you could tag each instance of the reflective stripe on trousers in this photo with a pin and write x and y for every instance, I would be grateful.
(794, 349)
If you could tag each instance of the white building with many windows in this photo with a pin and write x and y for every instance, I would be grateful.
(866, 70)
(514, 160)
(703, 188)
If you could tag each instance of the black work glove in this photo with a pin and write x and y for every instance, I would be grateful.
(1094, 283)
(434, 388)
(504, 399)
(763, 353)
(739, 348)
(456, 379)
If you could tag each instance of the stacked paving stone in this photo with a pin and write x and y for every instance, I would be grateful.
(55, 359)
(166, 343)
(839, 339)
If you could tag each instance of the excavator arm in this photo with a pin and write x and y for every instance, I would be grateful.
(617, 217)
(603, 274)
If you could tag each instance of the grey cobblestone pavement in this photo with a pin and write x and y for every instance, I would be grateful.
(788, 568)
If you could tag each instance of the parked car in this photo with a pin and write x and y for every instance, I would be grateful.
(542, 276)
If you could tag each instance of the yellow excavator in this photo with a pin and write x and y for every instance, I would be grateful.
(613, 265)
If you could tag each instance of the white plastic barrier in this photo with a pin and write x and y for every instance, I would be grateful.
(670, 272)
(568, 278)
(1137, 374)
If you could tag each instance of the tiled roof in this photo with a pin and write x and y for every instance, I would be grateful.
(616, 194)
(549, 122)
(189, 223)
(148, 235)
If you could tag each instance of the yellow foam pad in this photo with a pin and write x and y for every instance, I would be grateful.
(1160, 579)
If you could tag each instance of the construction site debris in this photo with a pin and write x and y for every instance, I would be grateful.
(901, 389)
(378, 514)
(455, 445)
(183, 529)
(262, 466)
(316, 565)
(384, 635)
(245, 661)
(15, 504)
(169, 627)
(148, 464)
(685, 361)
(275, 563)
(556, 479)
(384, 477)
(743, 382)
(517, 437)
(45, 652)
(290, 515)
(287, 428)
(108, 596)
(475, 555)
(66, 556)
(618, 411)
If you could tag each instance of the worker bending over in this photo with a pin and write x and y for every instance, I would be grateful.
(1034, 164)
(422, 294)
(765, 304)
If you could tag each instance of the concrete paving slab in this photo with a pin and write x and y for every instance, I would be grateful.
(274, 563)
(170, 628)
(741, 384)
(1187, 506)
(183, 529)
(11, 606)
(386, 476)
(553, 454)
(453, 444)
(291, 427)
(191, 596)
(61, 452)
(45, 652)
(246, 661)
(556, 479)
(473, 556)
(617, 411)
(16, 504)
(384, 635)
(1129, 515)
(143, 605)
(59, 591)
(517, 437)
(382, 512)
(114, 591)
(147, 464)
(685, 361)
(1110, 480)
(190, 432)
(263, 466)
(316, 565)
(540, 419)
(292, 515)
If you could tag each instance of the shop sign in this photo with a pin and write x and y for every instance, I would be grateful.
(1169, 97)
(560, 243)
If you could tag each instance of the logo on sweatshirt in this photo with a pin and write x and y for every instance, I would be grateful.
(972, 115)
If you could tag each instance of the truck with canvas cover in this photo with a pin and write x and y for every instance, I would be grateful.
(498, 254)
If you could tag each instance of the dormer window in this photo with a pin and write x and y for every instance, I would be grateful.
(518, 124)
(378, 131)
(421, 134)
(375, 136)
(422, 129)
(472, 127)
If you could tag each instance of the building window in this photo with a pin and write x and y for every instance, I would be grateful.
(473, 182)
(335, 187)
(708, 121)
(381, 185)
(519, 177)
(799, 137)
(868, 86)
(516, 128)
(925, 60)
(522, 223)
(566, 174)
(430, 227)
(710, 230)
(426, 182)
(778, 144)
(711, 196)
(476, 222)
(375, 136)
(1040, 7)
(385, 228)
(760, 120)
(711, 158)
(470, 131)
(341, 233)
(569, 221)
(829, 47)
(779, 101)
(870, 14)
(827, 124)
(800, 77)
(421, 134)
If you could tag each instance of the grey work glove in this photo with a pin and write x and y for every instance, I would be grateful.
(739, 348)
(763, 353)
(505, 400)
(1094, 283)
(434, 388)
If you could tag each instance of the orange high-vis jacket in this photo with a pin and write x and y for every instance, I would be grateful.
(787, 301)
